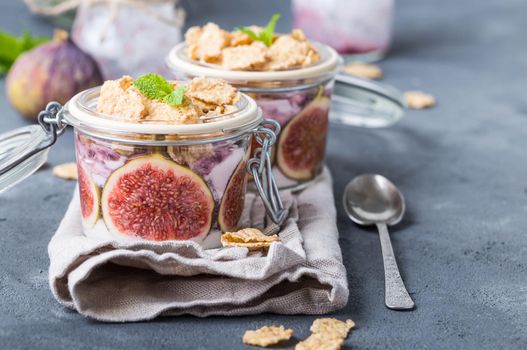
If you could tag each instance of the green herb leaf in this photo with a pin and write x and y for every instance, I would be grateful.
(249, 33)
(266, 35)
(11, 47)
(153, 86)
(176, 97)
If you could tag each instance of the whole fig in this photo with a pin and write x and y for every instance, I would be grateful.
(54, 71)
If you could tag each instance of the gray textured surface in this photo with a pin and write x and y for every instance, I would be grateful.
(462, 166)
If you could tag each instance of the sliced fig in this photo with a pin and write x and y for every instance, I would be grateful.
(89, 197)
(233, 200)
(154, 198)
(302, 143)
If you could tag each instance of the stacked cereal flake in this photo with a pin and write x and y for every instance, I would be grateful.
(326, 334)
(237, 51)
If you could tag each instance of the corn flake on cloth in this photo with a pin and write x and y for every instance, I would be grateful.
(111, 281)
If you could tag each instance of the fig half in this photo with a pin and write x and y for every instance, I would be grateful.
(154, 198)
(89, 198)
(233, 200)
(302, 143)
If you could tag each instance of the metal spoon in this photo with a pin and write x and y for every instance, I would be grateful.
(373, 200)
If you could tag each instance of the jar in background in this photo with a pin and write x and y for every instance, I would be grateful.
(298, 99)
(359, 29)
(128, 37)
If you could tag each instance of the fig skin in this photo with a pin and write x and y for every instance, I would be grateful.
(89, 194)
(54, 71)
(233, 200)
(302, 142)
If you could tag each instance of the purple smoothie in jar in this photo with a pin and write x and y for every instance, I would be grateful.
(216, 163)
(158, 181)
(361, 29)
(298, 99)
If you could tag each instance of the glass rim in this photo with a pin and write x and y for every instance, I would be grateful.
(80, 113)
(178, 61)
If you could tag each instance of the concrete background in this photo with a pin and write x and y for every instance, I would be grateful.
(462, 166)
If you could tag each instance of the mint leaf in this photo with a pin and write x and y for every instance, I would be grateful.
(11, 47)
(153, 86)
(249, 33)
(266, 35)
(176, 97)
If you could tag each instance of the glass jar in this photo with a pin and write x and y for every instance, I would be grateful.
(152, 180)
(298, 99)
(359, 29)
(128, 37)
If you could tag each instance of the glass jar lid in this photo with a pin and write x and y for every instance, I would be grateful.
(178, 61)
(80, 112)
(360, 102)
(22, 152)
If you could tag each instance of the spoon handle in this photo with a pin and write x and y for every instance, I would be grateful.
(396, 296)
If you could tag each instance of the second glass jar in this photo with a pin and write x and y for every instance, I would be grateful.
(298, 99)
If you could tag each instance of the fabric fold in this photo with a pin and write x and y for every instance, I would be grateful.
(118, 282)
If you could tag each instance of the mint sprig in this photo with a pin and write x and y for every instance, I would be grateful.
(155, 87)
(176, 97)
(266, 35)
(12, 46)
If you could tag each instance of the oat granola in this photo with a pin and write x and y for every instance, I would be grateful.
(251, 238)
(66, 171)
(332, 328)
(203, 97)
(419, 100)
(238, 51)
(267, 335)
(364, 70)
(317, 341)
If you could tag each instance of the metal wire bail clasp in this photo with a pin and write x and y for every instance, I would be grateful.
(51, 121)
(260, 168)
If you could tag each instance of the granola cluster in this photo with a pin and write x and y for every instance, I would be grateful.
(204, 97)
(237, 51)
(251, 238)
(326, 334)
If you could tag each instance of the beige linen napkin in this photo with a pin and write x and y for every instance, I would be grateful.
(111, 281)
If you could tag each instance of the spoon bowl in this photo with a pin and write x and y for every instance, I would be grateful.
(371, 199)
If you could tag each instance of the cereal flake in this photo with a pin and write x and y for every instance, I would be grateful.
(119, 98)
(66, 171)
(364, 70)
(244, 57)
(211, 41)
(331, 327)
(212, 91)
(185, 114)
(251, 238)
(187, 155)
(267, 335)
(317, 341)
(288, 52)
(419, 100)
